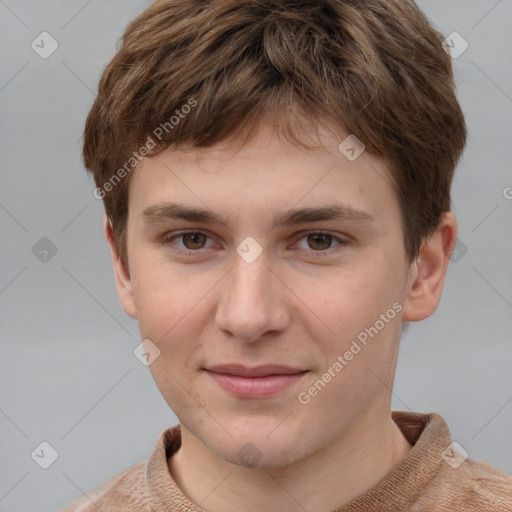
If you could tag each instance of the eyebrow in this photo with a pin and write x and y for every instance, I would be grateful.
(174, 211)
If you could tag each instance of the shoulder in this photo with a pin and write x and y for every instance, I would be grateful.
(489, 483)
(136, 488)
(473, 486)
(125, 491)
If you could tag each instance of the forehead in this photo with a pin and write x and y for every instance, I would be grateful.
(264, 180)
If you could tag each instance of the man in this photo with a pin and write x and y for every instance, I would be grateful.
(276, 179)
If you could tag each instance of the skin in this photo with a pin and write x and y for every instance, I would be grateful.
(286, 307)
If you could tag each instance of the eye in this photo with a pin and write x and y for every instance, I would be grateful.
(319, 242)
(193, 241)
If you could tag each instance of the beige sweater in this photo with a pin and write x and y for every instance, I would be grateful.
(426, 480)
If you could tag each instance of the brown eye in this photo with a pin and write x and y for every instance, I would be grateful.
(319, 244)
(188, 242)
(319, 241)
(193, 241)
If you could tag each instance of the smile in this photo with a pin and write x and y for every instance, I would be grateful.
(259, 382)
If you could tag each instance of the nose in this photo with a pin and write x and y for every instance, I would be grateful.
(253, 301)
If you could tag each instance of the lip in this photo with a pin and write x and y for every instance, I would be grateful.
(258, 382)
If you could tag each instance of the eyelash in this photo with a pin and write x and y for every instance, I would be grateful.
(167, 241)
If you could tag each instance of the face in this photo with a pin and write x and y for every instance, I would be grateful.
(275, 329)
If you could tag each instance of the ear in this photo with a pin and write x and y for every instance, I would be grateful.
(123, 282)
(427, 272)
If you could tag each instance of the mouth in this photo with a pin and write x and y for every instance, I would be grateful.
(258, 382)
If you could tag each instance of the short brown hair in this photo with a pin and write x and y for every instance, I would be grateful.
(375, 68)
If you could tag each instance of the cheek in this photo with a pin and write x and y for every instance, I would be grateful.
(171, 308)
(349, 300)
(354, 374)
(362, 309)
(160, 291)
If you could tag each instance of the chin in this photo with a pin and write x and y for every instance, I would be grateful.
(259, 455)
(264, 447)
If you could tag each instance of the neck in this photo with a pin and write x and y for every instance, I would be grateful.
(351, 465)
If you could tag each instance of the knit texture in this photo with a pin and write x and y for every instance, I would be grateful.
(423, 481)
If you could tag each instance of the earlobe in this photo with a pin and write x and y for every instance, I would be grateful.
(122, 275)
(427, 273)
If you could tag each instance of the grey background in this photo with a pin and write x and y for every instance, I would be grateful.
(68, 373)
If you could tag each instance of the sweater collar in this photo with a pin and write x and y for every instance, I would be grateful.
(427, 433)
